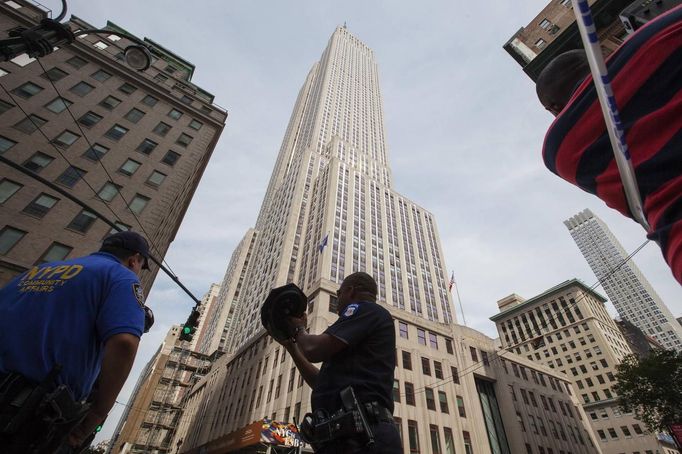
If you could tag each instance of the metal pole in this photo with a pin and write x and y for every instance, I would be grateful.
(607, 100)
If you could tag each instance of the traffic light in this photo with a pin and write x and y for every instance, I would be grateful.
(190, 326)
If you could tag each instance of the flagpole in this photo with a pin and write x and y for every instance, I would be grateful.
(461, 308)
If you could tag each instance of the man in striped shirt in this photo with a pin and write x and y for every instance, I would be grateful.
(646, 78)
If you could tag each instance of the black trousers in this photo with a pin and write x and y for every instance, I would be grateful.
(386, 441)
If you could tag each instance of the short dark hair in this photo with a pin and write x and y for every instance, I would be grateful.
(361, 282)
(558, 81)
(118, 252)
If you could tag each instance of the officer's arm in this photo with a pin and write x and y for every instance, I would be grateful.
(320, 347)
(119, 354)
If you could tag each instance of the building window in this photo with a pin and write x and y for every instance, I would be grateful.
(455, 375)
(184, 140)
(134, 115)
(54, 253)
(110, 102)
(76, 62)
(402, 328)
(186, 99)
(149, 101)
(90, 119)
(27, 90)
(468, 449)
(438, 370)
(9, 237)
(82, 88)
(146, 146)
(407, 360)
(95, 152)
(409, 394)
(156, 178)
(460, 407)
(433, 340)
(196, 125)
(54, 74)
(413, 435)
(116, 132)
(129, 167)
(127, 88)
(545, 24)
(449, 440)
(38, 162)
(484, 356)
(5, 106)
(171, 158)
(175, 114)
(58, 105)
(138, 203)
(399, 425)
(540, 43)
(6, 144)
(448, 346)
(108, 191)
(100, 75)
(65, 139)
(162, 129)
(426, 366)
(474, 355)
(435, 439)
(443, 400)
(396, 391)
(82, 222)
(421, 336)
(7, 189)
(70, 176)
(30, 124)
(40, 205)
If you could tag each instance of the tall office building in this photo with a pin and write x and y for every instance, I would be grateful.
(629, 291)
(330, 210)
(132, 145)
(568, 329)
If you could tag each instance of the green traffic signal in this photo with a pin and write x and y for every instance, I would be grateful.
(186, 330)
(98, 428)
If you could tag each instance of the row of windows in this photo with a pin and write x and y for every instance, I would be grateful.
(404, 332)
(436, 447)
(82, 88)
(613, 433)
(426, 367)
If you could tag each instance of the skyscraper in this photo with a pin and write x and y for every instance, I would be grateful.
(132, 145)
(627, 288)
(330, 210)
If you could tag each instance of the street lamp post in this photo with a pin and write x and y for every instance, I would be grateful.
(41, 40)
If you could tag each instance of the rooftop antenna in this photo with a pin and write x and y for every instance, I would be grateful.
(344, 24)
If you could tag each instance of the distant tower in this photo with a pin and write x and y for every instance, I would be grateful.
(629, 291)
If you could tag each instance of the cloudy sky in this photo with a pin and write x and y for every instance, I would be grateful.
(463, 125)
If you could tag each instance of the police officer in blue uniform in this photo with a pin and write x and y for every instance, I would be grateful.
(358, 350)
(64, 325)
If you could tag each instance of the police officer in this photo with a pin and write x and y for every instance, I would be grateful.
(358, 350)
(72, 322)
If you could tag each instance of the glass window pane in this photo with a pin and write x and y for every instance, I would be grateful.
(82, 88)
(100, 75)
(129, 167)
(70, 176)
(38, 162)
(175, 114)
(7, 189)
(56, 252)
(95, 152)
(116, 132)
(162, 128)
(40, 206)
(30, 124)
(194, 124)
(108, 191)
(110, 102)
(6, 144)
(156, 178)
(149, 100)
(27, 90)
(66, 139)
(5, 106)
(184, 139)
(138, 203)
(127, 88)
(134, 115)
(89, 119)
(83, 221)
(9, 236)
(171, 158)
(77, 62)
(54, 74)
(58, 105)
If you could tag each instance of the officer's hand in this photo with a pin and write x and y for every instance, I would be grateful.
(299, 321)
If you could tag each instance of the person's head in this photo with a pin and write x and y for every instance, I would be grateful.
(130, 248)
(356, 287)
(560, 78)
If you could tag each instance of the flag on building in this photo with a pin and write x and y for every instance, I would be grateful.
(452, 281)
(323, 243)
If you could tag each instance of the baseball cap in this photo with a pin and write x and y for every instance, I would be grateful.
(130, 241)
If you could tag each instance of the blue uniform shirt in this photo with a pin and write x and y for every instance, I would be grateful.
(367, 362)
(63, 313)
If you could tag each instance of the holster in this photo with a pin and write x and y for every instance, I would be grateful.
(36, 418)
(349, 422)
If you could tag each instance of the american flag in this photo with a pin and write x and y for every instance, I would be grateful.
(452, 281)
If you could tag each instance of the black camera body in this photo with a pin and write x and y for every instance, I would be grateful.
(282, 302)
